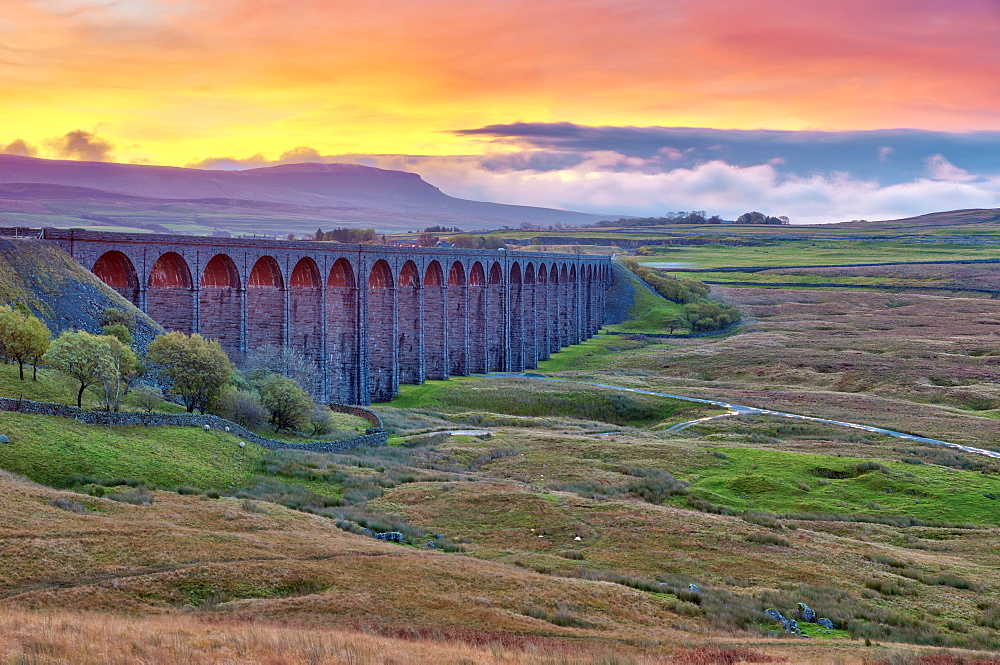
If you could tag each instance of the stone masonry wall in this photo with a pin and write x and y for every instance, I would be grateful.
(315, 296)
(374, 436)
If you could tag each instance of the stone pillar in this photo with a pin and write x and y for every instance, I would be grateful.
(458, 329)
(242, 295)
(324, 344)
(529, 324)
(195, 308)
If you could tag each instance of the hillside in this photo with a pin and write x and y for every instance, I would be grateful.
(567, 527)
(60, 291)
(277, 200)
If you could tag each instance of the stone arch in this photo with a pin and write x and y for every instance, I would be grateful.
(117, 271)
(219, 310)
(496, 320)
(265, 304)
(409, 340)
(562, 318)
(478, 319)
(458, 320)
(342, 333)
(169, 299)
(555, 341)
(573, 307)
(381, 318)
(305, 319)
(515, 318)
(530, 323)
(542, 313)
(435, 321)
(587, 300)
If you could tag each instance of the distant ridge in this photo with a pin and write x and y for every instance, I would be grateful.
(285, 198)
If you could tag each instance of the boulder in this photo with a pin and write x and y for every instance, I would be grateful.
(807, 613)
(694, 588)
(391, 536)
(792, 626)
(826, 623)
(4, 438)
(776, 615)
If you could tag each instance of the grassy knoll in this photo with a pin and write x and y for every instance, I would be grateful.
(650, 312)
(795, 482)
(539, 400)
(48, 450)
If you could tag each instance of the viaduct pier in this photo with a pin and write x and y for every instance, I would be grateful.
(368, 316)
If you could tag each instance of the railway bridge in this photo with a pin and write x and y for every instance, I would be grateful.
(369, 317)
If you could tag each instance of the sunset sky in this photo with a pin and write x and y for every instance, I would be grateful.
(567, 103)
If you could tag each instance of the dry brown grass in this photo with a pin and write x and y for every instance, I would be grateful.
(50, 638)
(918, 363)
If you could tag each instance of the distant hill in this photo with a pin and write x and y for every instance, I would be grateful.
(274, 200)
(945, 219)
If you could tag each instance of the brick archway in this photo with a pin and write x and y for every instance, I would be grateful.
(305, 319)
(117, 271)
(265, 304)
(343, 368)
(219, 310)
(409, 341)
(169, 299)
(382, 353)
(458, 320)
(478, 317)
(435, 322)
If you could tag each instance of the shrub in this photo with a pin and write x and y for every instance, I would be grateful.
(68, 505)
(288, 404)
(136, 497)
(146, 397)
(760, 518)
(242, 407)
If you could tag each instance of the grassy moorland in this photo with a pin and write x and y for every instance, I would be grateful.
(571, 533)
(813, 252)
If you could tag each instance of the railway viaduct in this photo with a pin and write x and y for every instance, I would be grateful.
(369, 316)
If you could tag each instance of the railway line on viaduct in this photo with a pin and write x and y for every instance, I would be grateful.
(370, 317)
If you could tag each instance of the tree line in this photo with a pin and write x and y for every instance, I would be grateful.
(700, 313)
(692, 217)
(190, 369)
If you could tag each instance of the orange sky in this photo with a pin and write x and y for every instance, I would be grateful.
(179, 81)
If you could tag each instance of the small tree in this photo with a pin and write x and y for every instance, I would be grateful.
(120, 332)
(675, 322)
(147, 398)
(242, 407)
(195, 367)
(287, 403)
(23, 338)
(124, 364)
(320, 419)
(84, 357)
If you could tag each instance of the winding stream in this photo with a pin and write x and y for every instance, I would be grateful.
(739, 410)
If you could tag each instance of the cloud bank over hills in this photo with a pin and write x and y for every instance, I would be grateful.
(811, 176)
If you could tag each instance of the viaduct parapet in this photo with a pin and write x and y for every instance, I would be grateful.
(369, 316)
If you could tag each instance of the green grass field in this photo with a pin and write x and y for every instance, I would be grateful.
(810, 253)
(533, 399)
(786, 482)
(649, 313)
(48, 449)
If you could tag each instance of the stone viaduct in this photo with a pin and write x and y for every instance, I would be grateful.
(369, 316)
